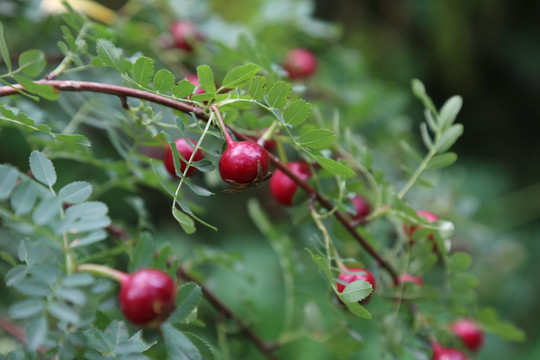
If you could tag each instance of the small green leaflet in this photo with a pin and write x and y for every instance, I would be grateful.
(178, 345)
(142, 71)
(42, 168)
(163, 81)
(279, 94)
(4, 49)
(75, 192)
(240, 76)
(205, 76)
(449, 112)
(45, 91)
(440, 161)
(32, 62)
(184, 88)
(185, 221)
(317, 139)
(111, 56)
(187, 299)
(448, 137)
(258, 87)
(335, 167)
(297, 112)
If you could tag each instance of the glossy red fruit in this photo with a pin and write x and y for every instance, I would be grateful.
(406, 278)
(185, 150)
(192, 78)
(429, 216)
(243, 162)
(300, 63)
(185, 35)
(361, 207)
(355, 274)
(282, 187)
(440, 353)
(147, 297)
(469, 333)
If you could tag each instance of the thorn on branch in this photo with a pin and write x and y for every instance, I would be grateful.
(123, 101)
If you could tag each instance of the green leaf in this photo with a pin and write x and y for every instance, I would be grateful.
(448, 137)
(91, 238)
(42, 168)
(111, 56)
(75, 192)
(206, 78)
(198, 190)
(76, 139)
(46, 210)
(143, 254)
(142, 71)
(185, 221)
(78, 280)
(459, 262)
(187, 299)
(449, 112)
(279, 94)
(178, 345)
(8, 179)
(45, 91)
(70, 295)
(425, 136)
(163, 80)
(324, 265)
(443, 160)
(183, 89)
(87, 210)
(240, 76)
(317, 139)
(335, 167)
(26, 308)
(24, 197)
(32, 62)
(258, 87)
(36, 331)
(297, 112)
(4, 48)
(357, 309)
(63, 312)
(419, 91)
(356, 291)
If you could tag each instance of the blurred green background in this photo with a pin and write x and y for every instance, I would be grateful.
(486, 51)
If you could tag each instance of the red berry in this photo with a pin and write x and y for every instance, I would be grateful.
(469, 333)
(185, 150)
(300, 63)
(192, 78)
(440, 353)
(429, 216)
(361, 207)
(243, 162)
(356, 274)
(147, 296)
(185, 34)
(404, 278)
(282, 187)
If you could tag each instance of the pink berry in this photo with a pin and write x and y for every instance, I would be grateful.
(192, 78)
(361, 207)
(147, 297)
(185, 150)
(404, 278)
(282, 187)
(440, 353)
(185, 34)
(429, 216)
(243, 162)
(300, 63)
(355, 274)
(469, 333)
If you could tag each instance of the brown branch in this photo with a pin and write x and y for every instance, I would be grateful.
(122, 91)
(264, 347)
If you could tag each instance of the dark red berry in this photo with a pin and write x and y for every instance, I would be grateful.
(300, 63)
(429, 216)
(192, 78)
(406, 278)
(355, 274)
(185, 150)
(243, 162)
(440, 353)
(147, 297)
(469, 333)
(185, 34)
(282, 187)
(361, 207)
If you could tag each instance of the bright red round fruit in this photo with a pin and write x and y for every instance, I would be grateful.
(355, 274)
(243, 162)
(361, 207)
(185, 150)
(147, 297)
(300, 63)
(282, 187)
(185, 34)
(469, 333)
(440, 353)
(406, 278)
(429, 216)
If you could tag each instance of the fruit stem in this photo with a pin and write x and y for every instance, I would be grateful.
(228, 137)
(267, 133)
(103, 271)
